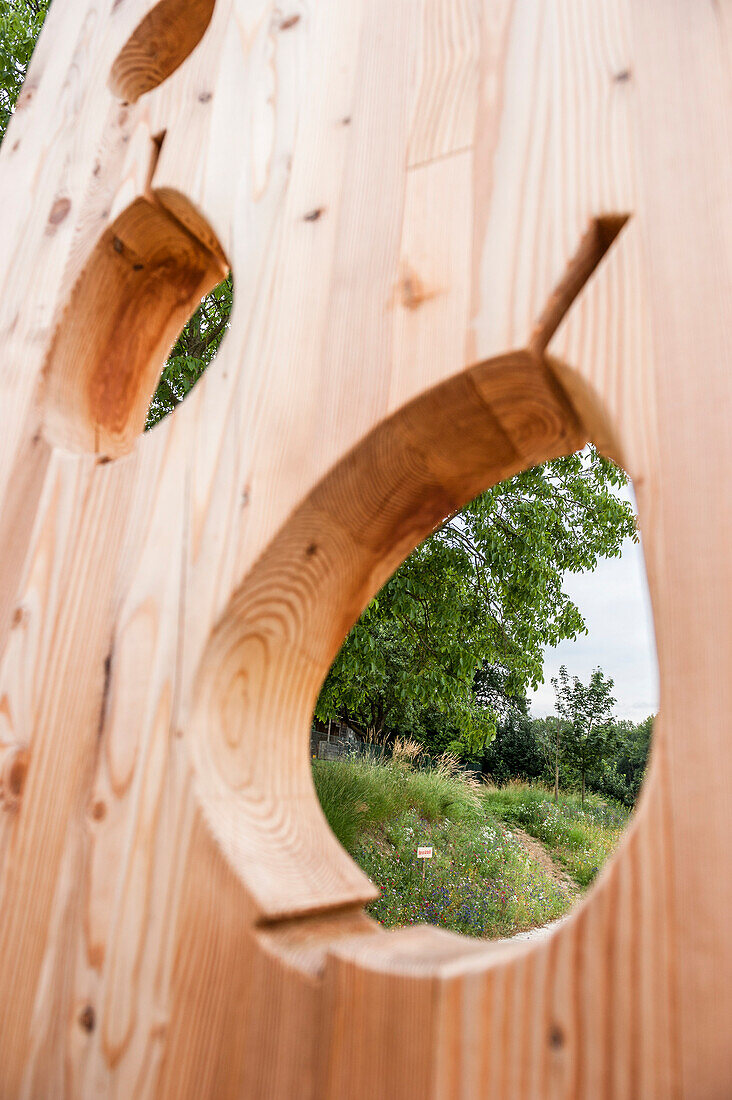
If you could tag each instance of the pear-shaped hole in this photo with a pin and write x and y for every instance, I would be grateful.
(435, 745)
(158, 46)
(142, 282)
(269, 655)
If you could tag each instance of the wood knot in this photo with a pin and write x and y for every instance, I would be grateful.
(311, 550)
(413, 292)
(289, 21)
(13, 772)
(26, 96)
(59, 211)
(556, 1037)
(87, 1018)
(313, 215)
(622, 76)
(204, 97)
(99, 809)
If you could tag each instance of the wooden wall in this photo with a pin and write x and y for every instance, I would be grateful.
(467, 235)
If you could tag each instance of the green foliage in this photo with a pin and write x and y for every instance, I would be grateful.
(480, 881)
(20, 25)
(484, 590)
(621, 772)
(515, 752)
(193, 351)
(580, 836)
(362, 792)
(523, 749)
(585, 711)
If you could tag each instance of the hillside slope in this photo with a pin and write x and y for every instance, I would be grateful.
(502, 861)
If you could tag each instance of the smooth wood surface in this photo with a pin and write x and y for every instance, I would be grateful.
(466, 236)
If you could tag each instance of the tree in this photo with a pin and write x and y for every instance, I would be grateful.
(621, 774)
(483, 591)
(514, 753)
(549, 735)
(586, 711)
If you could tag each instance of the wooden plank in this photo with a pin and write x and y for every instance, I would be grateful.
(446, 80)
(466, 237)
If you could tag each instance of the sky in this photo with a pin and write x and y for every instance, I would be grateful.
(616, 608)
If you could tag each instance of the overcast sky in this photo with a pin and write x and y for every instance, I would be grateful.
(615, 605)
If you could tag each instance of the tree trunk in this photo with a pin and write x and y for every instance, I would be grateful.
(556, 767)
(583, 788)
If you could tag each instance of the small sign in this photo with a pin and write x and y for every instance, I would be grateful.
(424, 853)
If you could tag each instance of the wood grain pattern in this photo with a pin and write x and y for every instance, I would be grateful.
(161, 42)
(466, 237)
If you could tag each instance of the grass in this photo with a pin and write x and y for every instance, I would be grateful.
(480, 881)
(580, 839)
(360, 793)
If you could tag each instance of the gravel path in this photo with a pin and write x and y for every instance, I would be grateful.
(538, 933)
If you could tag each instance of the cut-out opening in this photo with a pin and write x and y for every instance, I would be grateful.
(142, 282)
(158, 46)
(434, 766)
(193, 351)
(265, 663)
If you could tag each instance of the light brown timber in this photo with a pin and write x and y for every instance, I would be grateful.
(466, 236)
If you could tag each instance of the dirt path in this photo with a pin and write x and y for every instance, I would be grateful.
(540, 855)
